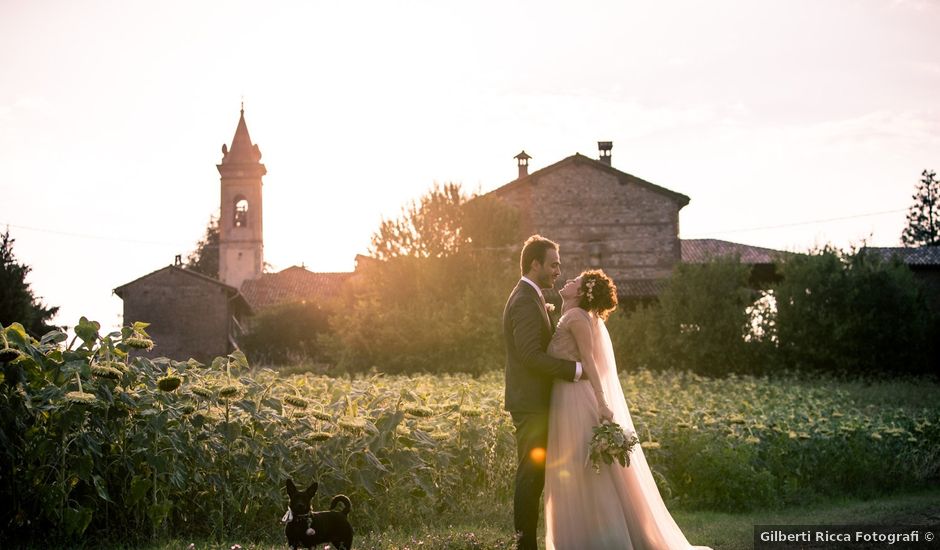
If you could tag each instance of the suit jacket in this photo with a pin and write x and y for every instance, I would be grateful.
(530, 371)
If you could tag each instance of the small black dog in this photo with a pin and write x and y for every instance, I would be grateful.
(306, 529)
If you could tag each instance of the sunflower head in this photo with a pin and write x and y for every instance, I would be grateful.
(296, 401)
(139, 342)
(81, 398)
(106, 371)
(8, 355)
(169, 383)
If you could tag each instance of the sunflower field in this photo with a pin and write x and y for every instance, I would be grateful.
(97, 441)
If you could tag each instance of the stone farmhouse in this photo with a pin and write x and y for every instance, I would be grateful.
(601, 217)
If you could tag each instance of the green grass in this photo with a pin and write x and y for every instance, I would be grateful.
(721, 531)
(736, 531)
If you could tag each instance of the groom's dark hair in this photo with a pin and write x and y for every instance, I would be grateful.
(534, 249)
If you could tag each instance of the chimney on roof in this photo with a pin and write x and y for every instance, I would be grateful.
(603, 148)
(523, 160)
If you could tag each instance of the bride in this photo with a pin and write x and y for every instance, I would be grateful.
(620, 508)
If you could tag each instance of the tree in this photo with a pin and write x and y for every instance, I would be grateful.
(433, 300)
(205, 258)
(923, 219)
(17, 302)
(445, 222)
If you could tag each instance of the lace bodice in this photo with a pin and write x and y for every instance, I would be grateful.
(563, 344)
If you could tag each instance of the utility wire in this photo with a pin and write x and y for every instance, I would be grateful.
(93, 237)
(810, 222)
(725, 231)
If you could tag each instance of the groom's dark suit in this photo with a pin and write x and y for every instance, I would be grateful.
(530, 372)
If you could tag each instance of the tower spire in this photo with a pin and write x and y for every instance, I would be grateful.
(242, 150)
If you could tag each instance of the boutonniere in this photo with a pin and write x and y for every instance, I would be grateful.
(549, 307)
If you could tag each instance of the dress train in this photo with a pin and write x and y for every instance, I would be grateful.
(618, 509)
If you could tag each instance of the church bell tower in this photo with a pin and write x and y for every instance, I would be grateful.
(241, 245)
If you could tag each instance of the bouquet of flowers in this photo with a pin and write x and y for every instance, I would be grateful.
(610, 443)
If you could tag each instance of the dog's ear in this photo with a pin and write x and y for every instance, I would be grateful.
(291, 488)
(312, 490)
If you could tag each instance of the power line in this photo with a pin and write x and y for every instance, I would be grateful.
(810, 222)
(92, 237)
(179, 243)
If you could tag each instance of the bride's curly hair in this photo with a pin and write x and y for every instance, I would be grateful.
(598, 293)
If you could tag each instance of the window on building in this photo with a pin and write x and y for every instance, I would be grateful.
(594, 255)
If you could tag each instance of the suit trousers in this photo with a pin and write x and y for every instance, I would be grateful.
(531, 441)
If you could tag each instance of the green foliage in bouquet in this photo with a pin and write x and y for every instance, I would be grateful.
(610, 443)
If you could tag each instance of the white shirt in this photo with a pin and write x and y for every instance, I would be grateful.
(577, 365)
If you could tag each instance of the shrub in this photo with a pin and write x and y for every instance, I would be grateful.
(286, 334)
(700, 323)
(850, 313)
(426, 315)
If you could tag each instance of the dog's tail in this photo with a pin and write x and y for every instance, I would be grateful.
(347, 505)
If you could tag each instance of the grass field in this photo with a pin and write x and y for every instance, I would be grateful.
(722, 531)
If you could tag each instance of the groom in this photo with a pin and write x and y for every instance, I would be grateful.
(530, 371)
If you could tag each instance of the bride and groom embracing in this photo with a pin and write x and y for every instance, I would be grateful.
(561, 382)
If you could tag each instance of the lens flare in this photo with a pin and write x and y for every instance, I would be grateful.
(538, 455)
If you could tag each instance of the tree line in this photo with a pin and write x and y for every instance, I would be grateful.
(431, 300)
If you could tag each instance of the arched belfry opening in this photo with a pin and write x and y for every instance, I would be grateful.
(240, 214)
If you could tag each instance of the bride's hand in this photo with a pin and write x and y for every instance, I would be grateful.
(604, 412)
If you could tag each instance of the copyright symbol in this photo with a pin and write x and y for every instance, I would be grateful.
(928, 536)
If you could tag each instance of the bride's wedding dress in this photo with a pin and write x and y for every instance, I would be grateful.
(620, 508)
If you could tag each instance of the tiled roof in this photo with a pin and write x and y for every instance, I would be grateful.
(578, 158)
(293, 284)
(697, 251)
(229, 289)
(920, 256)
(640, 288)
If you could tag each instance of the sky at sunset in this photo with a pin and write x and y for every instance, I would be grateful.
(789, 123)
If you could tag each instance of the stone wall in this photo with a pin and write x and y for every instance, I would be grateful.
(600, 219)
(188, 316)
